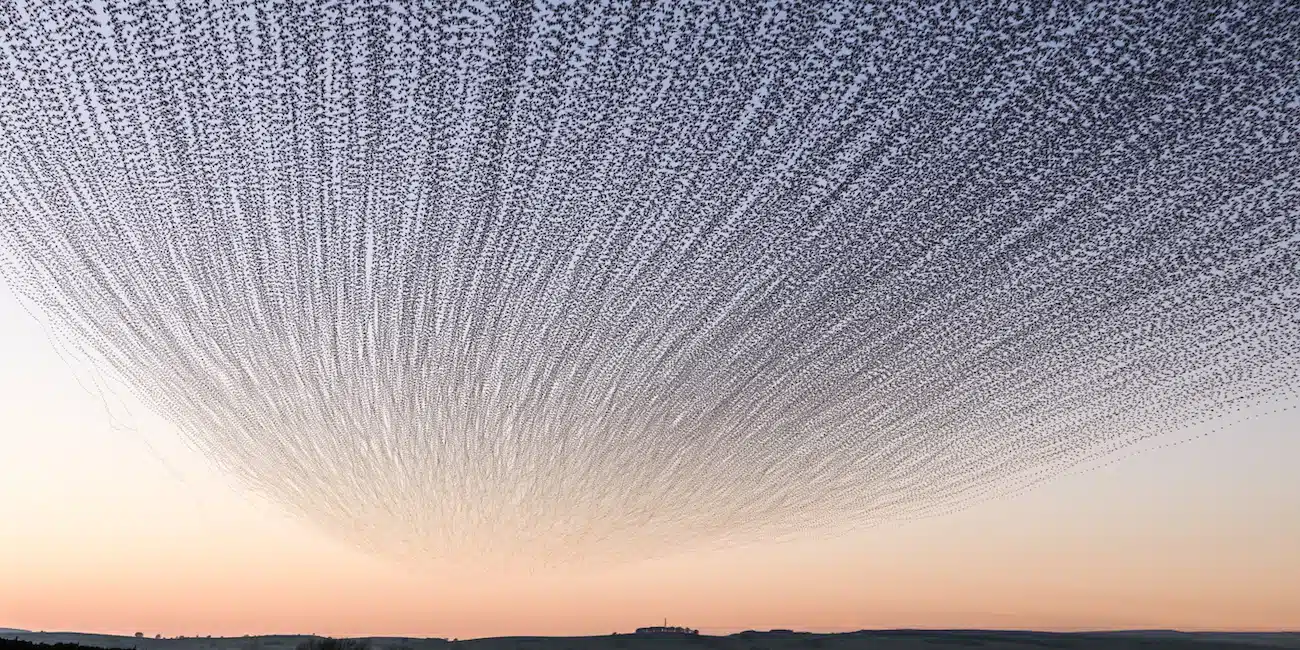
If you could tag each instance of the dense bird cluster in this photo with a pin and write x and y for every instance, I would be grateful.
(601, 279)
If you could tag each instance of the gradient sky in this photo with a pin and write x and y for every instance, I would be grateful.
(112, 530)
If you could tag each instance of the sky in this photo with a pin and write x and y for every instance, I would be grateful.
(470, 319)
(115, 531)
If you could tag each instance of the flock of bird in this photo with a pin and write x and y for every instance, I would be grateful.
(580, 281)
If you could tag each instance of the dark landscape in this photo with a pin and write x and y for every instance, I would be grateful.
(750, 640)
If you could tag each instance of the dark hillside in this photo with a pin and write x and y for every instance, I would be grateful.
(779, 640)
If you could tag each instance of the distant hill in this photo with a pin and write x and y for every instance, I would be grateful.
(1266, 639)
(12, 630)
(751, 640)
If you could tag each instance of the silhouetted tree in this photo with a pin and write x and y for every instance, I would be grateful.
(333, 644)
